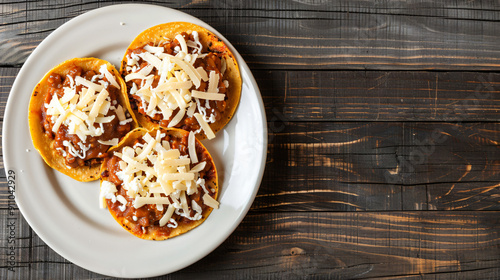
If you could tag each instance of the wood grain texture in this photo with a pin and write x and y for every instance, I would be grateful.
(384, 139)
(395, 35)
(325, 166)
(316, 245)
(380, 95)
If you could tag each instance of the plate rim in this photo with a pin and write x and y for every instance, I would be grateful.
(243, 68)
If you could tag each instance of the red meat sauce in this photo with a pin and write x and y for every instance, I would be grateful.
(211, 62)
(148, 216)
(113, 129)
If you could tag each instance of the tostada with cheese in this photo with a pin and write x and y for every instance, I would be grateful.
(77, 112)
(158, 184)
(181, 75)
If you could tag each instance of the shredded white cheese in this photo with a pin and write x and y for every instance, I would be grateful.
(112, 142)
(177, 118)
(107, 191)
(176, 88)
(192, 147)
(210, 201)
(153, 173)
(204, 125)
(111, 78)
(208, 95)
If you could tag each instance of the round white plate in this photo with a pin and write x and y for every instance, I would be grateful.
(65, 213)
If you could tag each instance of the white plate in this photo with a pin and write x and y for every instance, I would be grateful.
(65, 213)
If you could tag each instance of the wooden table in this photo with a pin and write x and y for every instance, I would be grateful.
(383, 157)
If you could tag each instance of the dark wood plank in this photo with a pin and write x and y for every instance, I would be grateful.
(416, 198)
(332, 245)
(446, 35)
(380, 95)
(365, 245)
(7, 77)
(324, 166)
